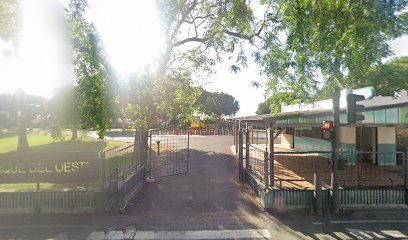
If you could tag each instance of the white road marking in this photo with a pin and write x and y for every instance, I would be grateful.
(368, 221)
(203, 234)
(317, 223)
(36, 226)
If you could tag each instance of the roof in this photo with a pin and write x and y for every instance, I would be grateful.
(376, 103)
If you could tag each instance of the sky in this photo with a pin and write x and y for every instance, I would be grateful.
(130, 33)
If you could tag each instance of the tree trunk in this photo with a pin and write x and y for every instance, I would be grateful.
(22, 145)
(123, 120)
(74, 132)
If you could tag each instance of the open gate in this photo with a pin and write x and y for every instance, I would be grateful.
(169, 152)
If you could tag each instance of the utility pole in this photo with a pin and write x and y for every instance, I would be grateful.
(335, 155)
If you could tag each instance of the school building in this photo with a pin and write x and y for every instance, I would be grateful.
(383, 131)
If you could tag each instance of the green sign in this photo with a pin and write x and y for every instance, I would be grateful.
(49, 167)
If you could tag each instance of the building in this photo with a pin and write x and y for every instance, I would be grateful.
(372, 140)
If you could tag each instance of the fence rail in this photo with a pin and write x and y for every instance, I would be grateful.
(292, 169)
(123, 168)
(256, 161)
(297, 169)
(375, 169)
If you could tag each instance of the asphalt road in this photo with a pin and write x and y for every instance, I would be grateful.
(207, 203)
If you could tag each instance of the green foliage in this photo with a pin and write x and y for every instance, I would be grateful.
(92, 71)
(217, 104)
(63, 109)
(387, 79)
(31, 106)
(140, 107)
(210, 26)
(10, 21)
(175, 98)
(335, 38)
(273, 104)
(156, 102)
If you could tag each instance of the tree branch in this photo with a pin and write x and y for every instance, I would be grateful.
(192, 39)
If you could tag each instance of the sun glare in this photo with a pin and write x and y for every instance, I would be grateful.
(41, 61)
(130, 31)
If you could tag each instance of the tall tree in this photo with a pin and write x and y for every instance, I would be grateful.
(64, 111)
(387, 78)
(10, 22)
(273, 104)
(141, 108)
(175, 98)
(217, 104)
(92, 71)
(336, 38)
(196, 29)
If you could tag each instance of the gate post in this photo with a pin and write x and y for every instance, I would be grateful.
(188, 150)
(233, 133)
(405, 166)
(141, 147)
(247, 147)
(266, 179)
(102, 160)
(318, 193)
(150, 136)
(271, 154)
(240, 154)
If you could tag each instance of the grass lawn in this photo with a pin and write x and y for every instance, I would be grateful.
(41, 142)
(44, 143)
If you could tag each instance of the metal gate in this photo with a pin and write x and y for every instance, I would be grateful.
(169, 152)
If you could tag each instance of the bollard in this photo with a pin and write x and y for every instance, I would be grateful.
(318, 194)
(266, 179)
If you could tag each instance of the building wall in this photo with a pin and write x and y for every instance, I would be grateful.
(286, 140)
(386, 145)
(348, 144)
(311, 144)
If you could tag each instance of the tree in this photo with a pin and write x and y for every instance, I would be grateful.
(20, 110)
(273, 104)
(64, 111)
(140, 107)
(175, 98)
(10, 22)
(217, 104)
(156, 102)
(336, 38)
(92, 71)
(387, 78)
(206, 27)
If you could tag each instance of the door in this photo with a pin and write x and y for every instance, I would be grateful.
(367, 143)
(169, 152)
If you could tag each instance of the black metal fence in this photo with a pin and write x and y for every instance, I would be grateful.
(124, 172)
(375, 169)
(121, 172)
(168, 153)
(256, 160)
(298, 169)
(292, 169)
